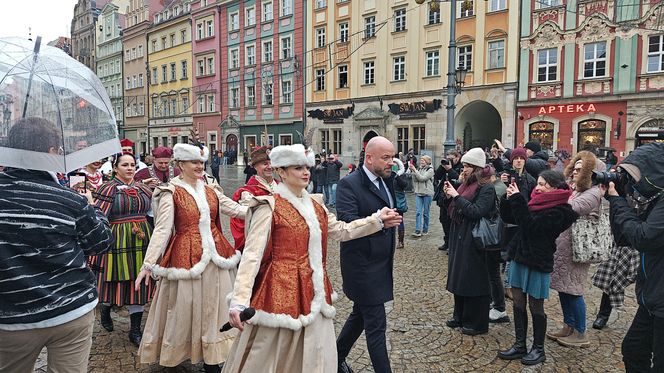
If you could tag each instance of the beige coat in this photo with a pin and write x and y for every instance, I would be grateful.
(423, 181)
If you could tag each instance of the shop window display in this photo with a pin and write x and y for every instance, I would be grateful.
(591, 135)
(542, 131)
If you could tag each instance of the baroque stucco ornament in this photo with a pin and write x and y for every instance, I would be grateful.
(548, 36)
(594, 30)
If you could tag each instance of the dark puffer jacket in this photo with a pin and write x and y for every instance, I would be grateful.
(535, 242)
(537, 163)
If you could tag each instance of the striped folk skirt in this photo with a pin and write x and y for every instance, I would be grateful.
(117, 269)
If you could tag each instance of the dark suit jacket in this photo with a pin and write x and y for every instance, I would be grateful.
(367, 262)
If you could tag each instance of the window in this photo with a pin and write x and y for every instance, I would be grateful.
(547, 65)
(164, 107)
(267, 93)
(155, 108)
(201, 67)
(399, 68)
(140, 80)
(286, 92)
(419, 136)
(496, 54)
(320, 4)
(320, 37)
(183, 36)
(286, 139)
(369, 74)
(234, 21)
(210, 102)
(369, 27)
(154, 45)
(400, 20)
(172, 40)
(127, 56)
(133, 53)
(286, 49)
(591, 135)
(154, 75)
(185, 105)
(403, 140)
(173, 72)
(343, 32)
(235, 58)
(467, 8)
(320, 79)
(465, 57)
(183, 73)
(164, 73)
(434, 16)
(251, 95)
(325, 139)
(267, 51)
(343, 76)
(286, 8)
(184, 139)
(140, 51)
(267, 11)
(210, 28)
(163, 43)
(210, 65)
(542, 132)
(547, 3)
(174, 106)
(656, 53)
(134, 82)
(594, 60)
(496, 5)
(432, 63)
(234, 96)
(331, 141)
(164, 141)
(251, 54)
(199, 31)
(250, 16)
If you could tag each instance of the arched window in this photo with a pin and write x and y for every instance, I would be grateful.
(591, 135)
(542, 131)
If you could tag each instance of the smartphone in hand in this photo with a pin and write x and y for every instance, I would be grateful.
(78, 181)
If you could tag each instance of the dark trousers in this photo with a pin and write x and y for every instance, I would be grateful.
(371, 320)
(493, 261)
(605, 307)
(445, 222)
(472, 312)
(643, 346)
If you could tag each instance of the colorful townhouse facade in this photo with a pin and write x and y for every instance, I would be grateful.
(169, 68)
(591, 74)
(380, 68)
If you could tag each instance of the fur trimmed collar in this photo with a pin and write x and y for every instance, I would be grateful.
(208, 244)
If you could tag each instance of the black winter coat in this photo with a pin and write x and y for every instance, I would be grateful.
(466, 269)
(537, 163)
(535, 242)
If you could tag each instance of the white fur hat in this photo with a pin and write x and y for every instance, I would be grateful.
(186, 152)
(292, 155)
(475, 157)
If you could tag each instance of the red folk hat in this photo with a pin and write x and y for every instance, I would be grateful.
(260, 154)
(126, 142)
(162, 152)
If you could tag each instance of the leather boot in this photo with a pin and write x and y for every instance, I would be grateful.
(105, 317)
(536, 354)
(566, 331)
(215, 368)
(401, 234)
(518, 349)
(135, 333)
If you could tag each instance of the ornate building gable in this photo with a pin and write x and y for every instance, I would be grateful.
(547, 35)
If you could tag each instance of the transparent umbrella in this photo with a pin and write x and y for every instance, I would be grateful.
(39, 81)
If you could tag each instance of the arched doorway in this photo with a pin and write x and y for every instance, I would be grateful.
(231, 142)
(478, 124)
(650, 131)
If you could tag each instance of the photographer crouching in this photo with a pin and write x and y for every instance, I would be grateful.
(640, 179)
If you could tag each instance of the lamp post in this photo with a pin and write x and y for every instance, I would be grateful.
(455, 77)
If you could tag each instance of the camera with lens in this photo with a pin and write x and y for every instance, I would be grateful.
(619, 179)
(444, 162)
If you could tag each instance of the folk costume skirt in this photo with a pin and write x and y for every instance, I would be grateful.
(185, 318)
(117, 269)
(258, 348)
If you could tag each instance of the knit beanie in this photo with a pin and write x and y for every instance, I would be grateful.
(475, 157)
(518, 152)
(534, 146)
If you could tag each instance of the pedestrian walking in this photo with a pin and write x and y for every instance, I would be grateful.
(217, 158)
(283, 274)
(568, 278)
(196, 266)
(48, 294)
(423, 189)
(332, 167)
(320, 176)
(126, 203)
(475, 199)
(367, 263)
(540, 222)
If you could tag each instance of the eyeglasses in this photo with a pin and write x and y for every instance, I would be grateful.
(577, 170)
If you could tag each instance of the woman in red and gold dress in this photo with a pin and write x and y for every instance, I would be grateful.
(283, 274)
(196, 265)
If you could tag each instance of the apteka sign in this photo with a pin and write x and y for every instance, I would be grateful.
(571, 108)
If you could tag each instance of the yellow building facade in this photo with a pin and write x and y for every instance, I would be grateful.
(169, 71)
(379, 67)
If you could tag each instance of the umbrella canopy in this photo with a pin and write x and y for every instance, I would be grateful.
(41, 86)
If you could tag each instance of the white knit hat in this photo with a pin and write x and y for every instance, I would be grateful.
(475, 157)
(186, 152)
(292, 155)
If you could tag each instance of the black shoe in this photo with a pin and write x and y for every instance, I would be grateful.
(517, 351)
(535, 356)
(215, 368)
(344, 367)
(443, 247)
(453, 323)
(135, 333)
(472, 332)
(600, 322)
(105, 317)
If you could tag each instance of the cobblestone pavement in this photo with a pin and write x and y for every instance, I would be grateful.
(418, 340)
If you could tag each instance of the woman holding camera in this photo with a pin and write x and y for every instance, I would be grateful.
(423, 188)
(540, 221)
(568, 277)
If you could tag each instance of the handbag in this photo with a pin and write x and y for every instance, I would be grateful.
(488, 231)
(591, 238)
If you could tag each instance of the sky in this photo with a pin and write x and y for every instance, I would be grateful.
(47, 18)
